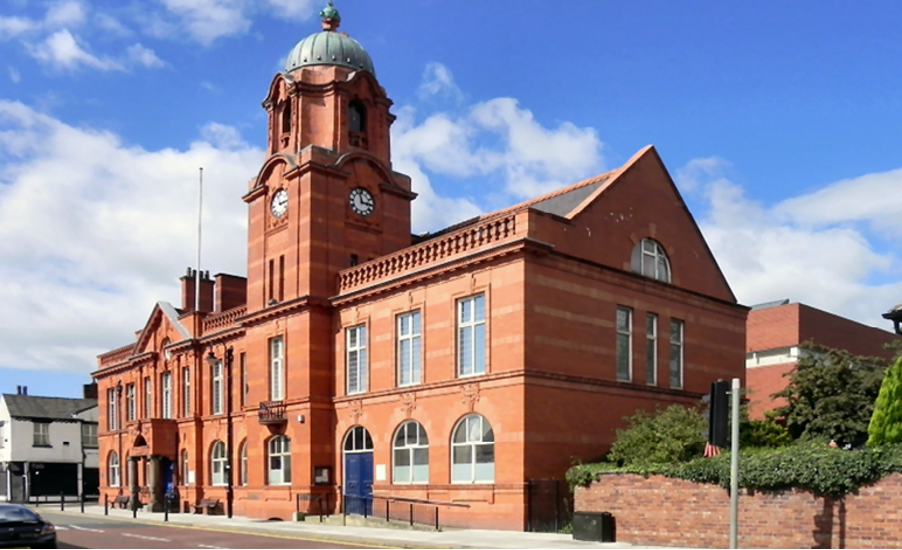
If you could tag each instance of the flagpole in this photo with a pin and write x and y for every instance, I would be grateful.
(200, 214)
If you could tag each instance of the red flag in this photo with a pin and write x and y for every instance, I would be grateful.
(711, 450)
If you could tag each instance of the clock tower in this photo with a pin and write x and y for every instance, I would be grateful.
(326, 197)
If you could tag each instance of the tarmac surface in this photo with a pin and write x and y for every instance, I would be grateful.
(333, 532)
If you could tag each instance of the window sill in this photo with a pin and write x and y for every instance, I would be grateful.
(43, 446)
(471, 375)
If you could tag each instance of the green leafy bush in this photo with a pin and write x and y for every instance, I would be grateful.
(814, 467)
(831, 394)
(886, 422)
(671, 435)
(763, 433)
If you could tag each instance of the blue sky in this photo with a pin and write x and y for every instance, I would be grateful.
(780, 123)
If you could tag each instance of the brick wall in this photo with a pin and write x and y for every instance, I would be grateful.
(673, 512)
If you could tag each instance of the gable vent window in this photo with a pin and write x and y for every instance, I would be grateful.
(650, 260)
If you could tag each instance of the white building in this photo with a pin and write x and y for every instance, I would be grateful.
(48, 446)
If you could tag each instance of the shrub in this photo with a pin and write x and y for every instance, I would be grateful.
(671, 435)
(814, 467)
(886, 422)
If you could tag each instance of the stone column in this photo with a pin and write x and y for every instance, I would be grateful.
(133, 482)
(155, 484)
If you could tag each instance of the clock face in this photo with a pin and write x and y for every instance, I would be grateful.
(362, 201)
(279, 204)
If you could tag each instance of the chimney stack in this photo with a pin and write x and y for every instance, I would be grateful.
(89, 391)
(206, 291)
(24, 390)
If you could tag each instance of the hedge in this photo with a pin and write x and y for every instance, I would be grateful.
(814, 467)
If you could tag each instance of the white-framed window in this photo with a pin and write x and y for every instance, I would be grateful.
(148, 398)
(185, 468)
(676, 353)
(409, 349)
(410, 454)
(131, 407)
(473, 451)
(242, 464)
(651, 349)
(216, 387)
(186, 391)
(355, 358)
(112, 420)
(276, 370)
(113, 469)
(242, 359)
(623, 351)
(650, 260)
(41, 434)
(166, 385)
(218, 464)
(471, 335)
(89, 435)
(358, 440)
(279, 463)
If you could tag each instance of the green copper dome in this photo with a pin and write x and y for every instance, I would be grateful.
(329, 48)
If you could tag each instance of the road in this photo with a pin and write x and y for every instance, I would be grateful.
(75, 531)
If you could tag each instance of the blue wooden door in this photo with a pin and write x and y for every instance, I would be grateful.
(359, 483)
(168, 467)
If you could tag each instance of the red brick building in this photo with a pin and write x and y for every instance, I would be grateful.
(452, 367)
(775, 332)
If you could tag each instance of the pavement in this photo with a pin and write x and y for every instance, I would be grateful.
(394, 537)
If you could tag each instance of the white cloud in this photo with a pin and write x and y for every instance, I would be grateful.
(103, 229)
(14, 74)
(66, 13)
(62, 51)
(223, 136)
(140, 55)
(438, 81)
(207, 20)
(111, 25)
(767, 255)
(292, 9)
(871, 198)
(495, 140)
(11, 27)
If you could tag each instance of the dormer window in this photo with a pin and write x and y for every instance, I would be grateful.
(357, 124)
(650, 260)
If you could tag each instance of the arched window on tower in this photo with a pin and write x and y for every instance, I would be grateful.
(357, 124)
(283, 124)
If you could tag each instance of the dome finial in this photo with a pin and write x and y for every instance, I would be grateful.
(330, 16)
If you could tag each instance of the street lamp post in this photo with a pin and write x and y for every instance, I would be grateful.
(227, 364)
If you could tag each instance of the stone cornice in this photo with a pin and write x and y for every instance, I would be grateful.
(282, 308)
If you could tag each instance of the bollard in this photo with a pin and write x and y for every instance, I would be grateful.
(62, 501)
(82, 502)
(106, 503)
(166, 508)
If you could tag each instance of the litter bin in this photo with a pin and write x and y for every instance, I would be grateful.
(594, 526)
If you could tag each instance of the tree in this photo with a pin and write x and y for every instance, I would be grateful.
(831, 394)
(886, 422)
(674, 434)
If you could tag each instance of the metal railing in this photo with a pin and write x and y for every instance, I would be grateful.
(318, 504)
(392, 510)
(271, 412)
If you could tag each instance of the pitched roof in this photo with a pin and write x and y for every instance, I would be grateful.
(51, 408)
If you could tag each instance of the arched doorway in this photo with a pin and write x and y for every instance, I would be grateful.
(357, 451)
